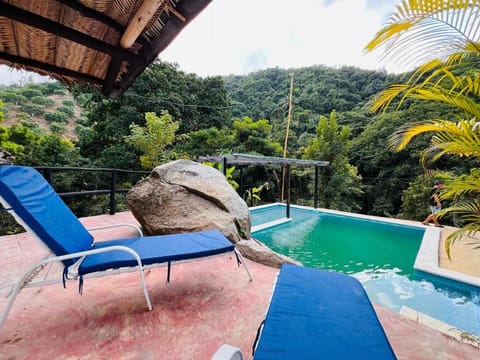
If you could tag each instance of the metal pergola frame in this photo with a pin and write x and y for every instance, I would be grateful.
(248, 159)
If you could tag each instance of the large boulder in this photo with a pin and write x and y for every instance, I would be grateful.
(185, 196)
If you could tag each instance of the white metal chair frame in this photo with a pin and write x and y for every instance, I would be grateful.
(25, 282)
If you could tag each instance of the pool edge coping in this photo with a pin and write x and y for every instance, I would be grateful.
(440, 326)
(428, 259)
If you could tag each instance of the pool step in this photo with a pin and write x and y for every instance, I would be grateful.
(270, 224)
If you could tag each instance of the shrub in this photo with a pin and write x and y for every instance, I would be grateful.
(66, 110)
(13, 97)
(56, 116)
(30, 93)
(39, 100)
(57, 128)
(33, 109)
(68, 103)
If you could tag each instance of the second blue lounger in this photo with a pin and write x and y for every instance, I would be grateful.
(316, 314)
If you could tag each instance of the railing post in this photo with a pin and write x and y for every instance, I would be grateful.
(47, 174)
(241, 182)
(288, 192)
(315, 189)
(113, 190)
(224, 166)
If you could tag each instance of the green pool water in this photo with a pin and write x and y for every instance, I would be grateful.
(380, 254)
(324, 241)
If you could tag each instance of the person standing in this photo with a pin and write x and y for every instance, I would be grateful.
(435, 204)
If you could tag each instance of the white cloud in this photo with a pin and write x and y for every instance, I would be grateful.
(237, 37)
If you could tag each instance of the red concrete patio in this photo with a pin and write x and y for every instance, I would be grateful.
(207, 303)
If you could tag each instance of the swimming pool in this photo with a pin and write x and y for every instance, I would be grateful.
(379, 254)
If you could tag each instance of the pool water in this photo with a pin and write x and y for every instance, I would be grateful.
(379, 254)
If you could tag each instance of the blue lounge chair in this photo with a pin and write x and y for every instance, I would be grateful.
(317, 314)
(38, 208)
(320, 314)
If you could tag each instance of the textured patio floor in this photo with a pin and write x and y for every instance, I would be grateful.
(207, 303)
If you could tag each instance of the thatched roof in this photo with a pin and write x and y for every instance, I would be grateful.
(104, 43)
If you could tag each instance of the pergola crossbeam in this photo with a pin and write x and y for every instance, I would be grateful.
(255, 160)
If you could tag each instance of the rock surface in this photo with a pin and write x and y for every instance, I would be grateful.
(258, 252)
(185, 196)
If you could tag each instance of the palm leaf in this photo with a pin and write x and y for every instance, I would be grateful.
(437, 81)
(464, 185)
(437, 27)
(468, 212)
(459, 138)
(468, 230)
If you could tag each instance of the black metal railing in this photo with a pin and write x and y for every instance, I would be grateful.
(48, 171)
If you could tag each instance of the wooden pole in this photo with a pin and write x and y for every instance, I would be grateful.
(285, 147)
(142, 17)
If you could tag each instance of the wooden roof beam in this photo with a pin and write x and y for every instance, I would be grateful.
(39, 22)
(189, 8)
(14, 59)
(141, 18)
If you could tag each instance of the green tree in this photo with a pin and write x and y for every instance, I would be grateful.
(2, 114)
(443, 36)
(339, 184)
(154, 139)
(254, 137)
(35, 148)
(210, 141)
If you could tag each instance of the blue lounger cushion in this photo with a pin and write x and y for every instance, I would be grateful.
(157, 250)
(317, 314)
(35, 201)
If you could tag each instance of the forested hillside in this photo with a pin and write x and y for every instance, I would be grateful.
(317, 90)
(168, 114)
(50, 106)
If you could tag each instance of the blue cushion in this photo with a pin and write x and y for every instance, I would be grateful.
(40, 207)
(157, 249)
(316, 314)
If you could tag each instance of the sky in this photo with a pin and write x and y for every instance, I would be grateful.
(242, 36)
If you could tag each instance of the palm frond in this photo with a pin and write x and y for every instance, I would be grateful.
(449, 97)
(437, 28)
(436, 80)
(460, 138)
(468, 184)
(468, 230)
(400, 139)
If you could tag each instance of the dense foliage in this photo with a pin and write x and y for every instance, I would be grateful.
(169, 114)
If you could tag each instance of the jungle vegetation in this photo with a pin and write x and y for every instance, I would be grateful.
(168, 114)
